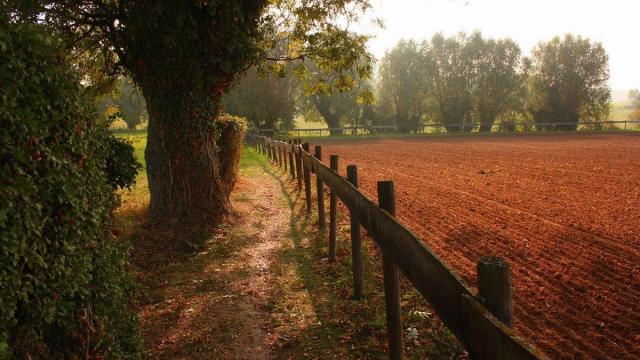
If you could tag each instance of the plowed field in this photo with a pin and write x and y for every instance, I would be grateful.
(562, 209)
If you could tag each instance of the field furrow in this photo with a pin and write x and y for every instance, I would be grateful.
(562, 209)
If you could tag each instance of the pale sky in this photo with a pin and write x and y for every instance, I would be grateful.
(614, 23)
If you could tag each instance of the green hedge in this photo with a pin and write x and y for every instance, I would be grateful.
(64, 289)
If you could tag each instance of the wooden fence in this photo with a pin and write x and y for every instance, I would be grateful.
(482, 322)
(437, 128)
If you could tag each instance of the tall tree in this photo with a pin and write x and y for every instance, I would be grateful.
(184, 54)
(266, 99)
(497, 79)
(336, 108)
(449, 75)
(568, 82)
(130, 102)
(401, 84)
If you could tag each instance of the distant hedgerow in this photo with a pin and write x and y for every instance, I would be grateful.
(64, 288)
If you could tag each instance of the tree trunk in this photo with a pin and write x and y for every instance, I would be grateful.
(333, 122)
(185, 170)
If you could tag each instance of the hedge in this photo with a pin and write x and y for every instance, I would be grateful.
(64, 288)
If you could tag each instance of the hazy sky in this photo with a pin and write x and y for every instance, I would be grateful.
(612, 22)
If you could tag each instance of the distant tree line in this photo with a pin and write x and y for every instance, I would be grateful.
(469, 83)
(463, 83)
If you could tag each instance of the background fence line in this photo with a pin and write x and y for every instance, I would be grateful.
(462, 128)
(481, 323)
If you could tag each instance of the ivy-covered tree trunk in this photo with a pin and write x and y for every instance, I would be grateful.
(183, 57)
(184, 164)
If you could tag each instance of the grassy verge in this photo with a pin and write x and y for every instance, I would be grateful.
(342, 327)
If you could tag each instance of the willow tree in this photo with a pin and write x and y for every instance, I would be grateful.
(568, 82)
(266, 100)
(401, 84)
(184, 55)
(498, 82)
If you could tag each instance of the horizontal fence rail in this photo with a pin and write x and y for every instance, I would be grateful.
(438, 128)
(480, 330)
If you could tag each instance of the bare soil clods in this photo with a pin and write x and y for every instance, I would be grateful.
(562, 209)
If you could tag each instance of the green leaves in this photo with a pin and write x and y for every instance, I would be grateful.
(55, 199)
(568, 82)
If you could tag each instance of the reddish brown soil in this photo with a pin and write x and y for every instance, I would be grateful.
(563, 209)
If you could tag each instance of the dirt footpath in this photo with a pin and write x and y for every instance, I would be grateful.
(215, 302)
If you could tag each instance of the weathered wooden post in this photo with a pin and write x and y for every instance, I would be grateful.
(279, 152)
(387, 201)
(333, 207)
(319, 190)
(290, 151)
(282, 156)
(298, 165)
(285, 159)
(273, 150)
(357, 268)
(307, 178)
(494, 288)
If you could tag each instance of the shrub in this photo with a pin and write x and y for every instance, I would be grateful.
(231, 130)
(119, 124)
(64, 290)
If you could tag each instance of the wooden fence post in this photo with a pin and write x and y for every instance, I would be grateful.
(357, 268)
(333, 207)
(494, 288)
(299, 165)
(386, 199)
(290, 151)
(285, 158)
(307, 178)
(320, 191)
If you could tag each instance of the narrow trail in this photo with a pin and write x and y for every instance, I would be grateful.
(216, 304)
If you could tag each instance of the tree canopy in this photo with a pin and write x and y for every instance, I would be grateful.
(184, 55)
(267, 100)
(401, 84)
(462, 82)
(568, 82)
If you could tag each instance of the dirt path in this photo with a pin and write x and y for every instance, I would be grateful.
(215, 304)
